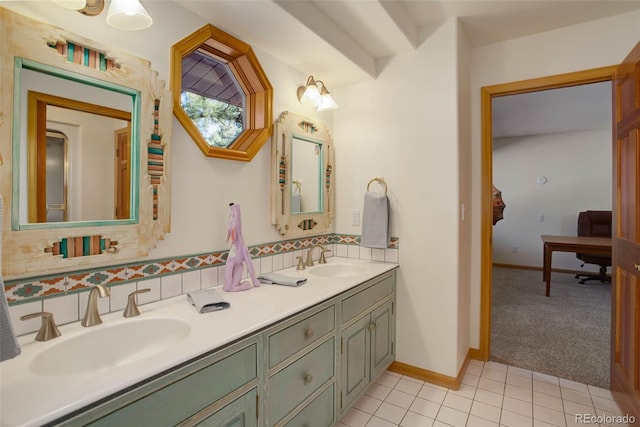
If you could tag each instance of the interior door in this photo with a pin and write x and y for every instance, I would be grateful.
(625, 332)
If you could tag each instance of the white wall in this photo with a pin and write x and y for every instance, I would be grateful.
(404, 127)
(590, 45)
(577, 166)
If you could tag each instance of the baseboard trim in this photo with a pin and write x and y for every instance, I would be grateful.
(452, 383)
(476, 354)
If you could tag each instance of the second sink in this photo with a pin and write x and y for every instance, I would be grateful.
(336, 270)
(107, 346)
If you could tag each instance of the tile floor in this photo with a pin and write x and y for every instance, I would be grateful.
(491, 394)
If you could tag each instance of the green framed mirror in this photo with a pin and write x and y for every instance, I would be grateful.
(63, 75)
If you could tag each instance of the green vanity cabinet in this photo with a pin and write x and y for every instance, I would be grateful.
(367, 337)
(302, 367)
(239, 413)
(304, 370)
(185, 395)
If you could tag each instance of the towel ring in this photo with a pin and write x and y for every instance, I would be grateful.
(381, 181)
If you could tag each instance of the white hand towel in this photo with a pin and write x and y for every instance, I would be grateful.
(206, 300)
(281, 279)
(375, 221)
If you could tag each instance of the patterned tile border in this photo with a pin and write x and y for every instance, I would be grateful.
(24, 290)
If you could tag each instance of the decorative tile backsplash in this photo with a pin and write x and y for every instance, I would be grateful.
(65, 295)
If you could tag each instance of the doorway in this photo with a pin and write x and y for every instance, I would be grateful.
(487, 94)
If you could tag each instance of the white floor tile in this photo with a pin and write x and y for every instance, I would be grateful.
(413, 419)
(573, 408)
(378, 391)
(576, 396)
(388, 380)
(465, 390)
(355, 418)
(520, 381)
(391, 413)
(550, 416)
(368, 404)
(424, 407)
(485, 411)
(546, 387)
(474, 421)
(470, 379)
(512, 419)
(379, 422)
(518, 393)
(491, 395)
(431, 393)
(518, 406)
(547, 401)
(492, 385)
(410, 387)
(452, 417)
(399, 398)
(457, 402)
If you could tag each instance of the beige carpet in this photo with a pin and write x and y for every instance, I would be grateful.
(566, 335)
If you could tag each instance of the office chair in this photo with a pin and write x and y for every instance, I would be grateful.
(594, 224)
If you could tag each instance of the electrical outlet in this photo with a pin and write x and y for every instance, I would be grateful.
(355, 217)
(540, 217)
(514, 249)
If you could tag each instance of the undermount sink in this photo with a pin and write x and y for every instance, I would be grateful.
(104, 347)
(338, 270)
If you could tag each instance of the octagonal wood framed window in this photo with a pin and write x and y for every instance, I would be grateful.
(221, 95)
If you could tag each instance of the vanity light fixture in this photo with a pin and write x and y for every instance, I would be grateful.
(315, 93)
(128, 15)
(122, 14)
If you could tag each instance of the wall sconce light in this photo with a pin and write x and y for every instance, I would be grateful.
(128, 15)
(122, 14)
(315, 93)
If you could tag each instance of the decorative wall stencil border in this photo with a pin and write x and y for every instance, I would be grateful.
(83, 55)
(24, 290)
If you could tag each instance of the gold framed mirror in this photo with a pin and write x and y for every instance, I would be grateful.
(52, 68)
(221, 95)
(302, 178)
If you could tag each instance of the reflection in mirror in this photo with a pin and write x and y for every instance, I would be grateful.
(57, 165)
(302, 177)
(306, 172)
(212, 99)
(99, 172)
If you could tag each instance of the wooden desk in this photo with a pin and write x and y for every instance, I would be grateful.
(584, 245)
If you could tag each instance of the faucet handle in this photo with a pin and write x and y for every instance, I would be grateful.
(300, 263)
(323, 259)
(48, 329)
(132, 307)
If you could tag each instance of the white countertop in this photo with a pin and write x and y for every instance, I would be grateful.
(27, 399)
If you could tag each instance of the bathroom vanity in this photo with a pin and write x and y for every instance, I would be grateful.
(280, 355)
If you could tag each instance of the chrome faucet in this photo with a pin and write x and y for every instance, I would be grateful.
(92, 315)
(321, 260)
